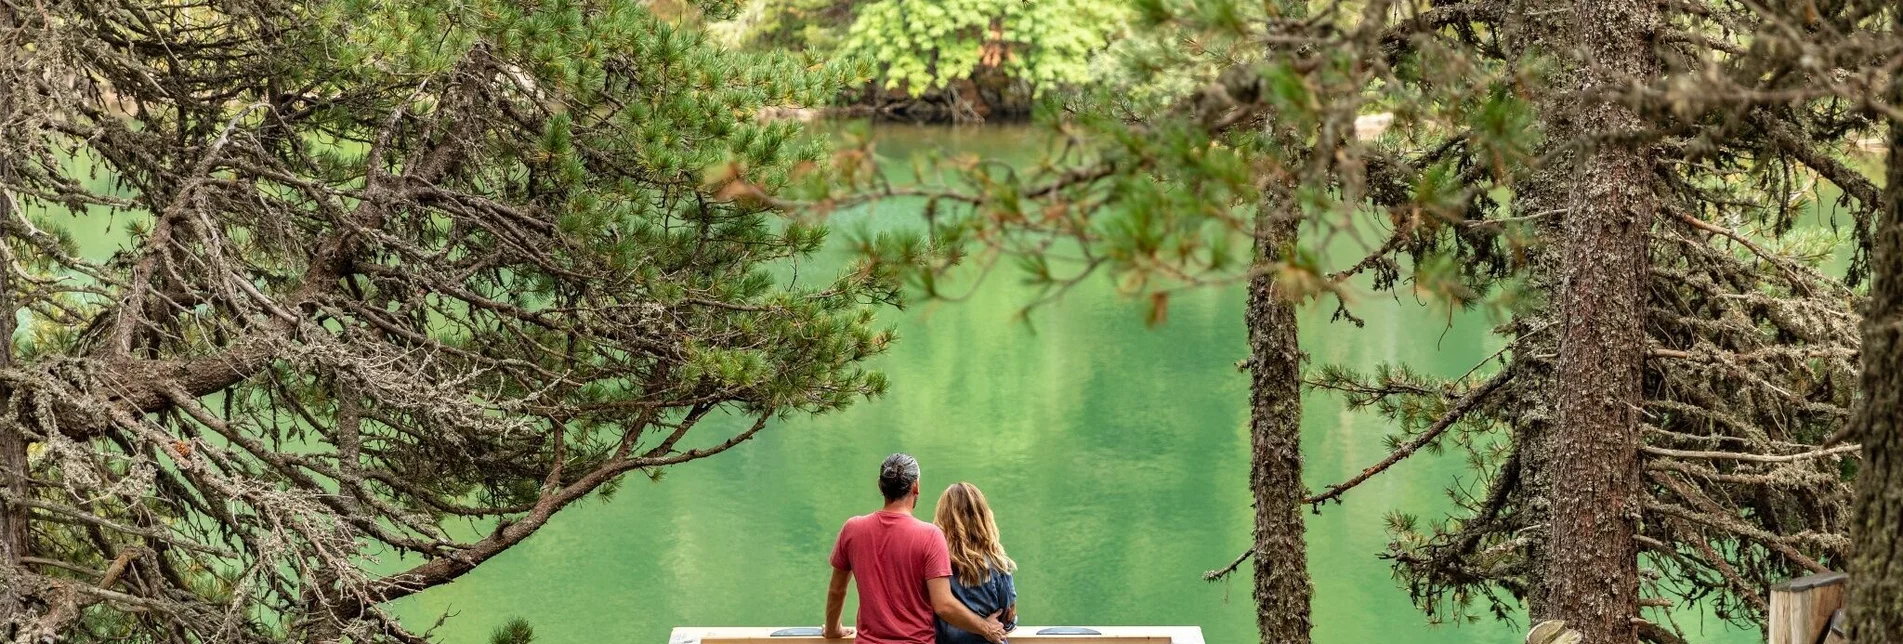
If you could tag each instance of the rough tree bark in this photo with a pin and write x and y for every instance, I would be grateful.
(13, 528)
(1876, 568)
(1592, 577)
(1535, 385)
(1275, 437)
(13, 519)
(1282, 587)
(1528, 29)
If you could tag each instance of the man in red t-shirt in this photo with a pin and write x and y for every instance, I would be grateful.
(902, 569)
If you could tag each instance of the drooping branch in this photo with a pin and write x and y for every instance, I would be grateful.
(448, 568)
(1455, 412)
(1749, 457)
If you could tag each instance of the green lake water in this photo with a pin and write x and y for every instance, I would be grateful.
(1115, 455)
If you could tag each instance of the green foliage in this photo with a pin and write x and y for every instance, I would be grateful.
(515, 631)
(923, 45)
(813, 26)
(687, 118)
(395, 268)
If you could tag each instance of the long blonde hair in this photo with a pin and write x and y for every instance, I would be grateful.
(971, 534)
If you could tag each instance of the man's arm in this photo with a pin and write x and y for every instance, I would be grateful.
(954, 612)
(836, 603)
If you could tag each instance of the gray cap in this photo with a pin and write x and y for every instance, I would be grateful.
(897, 475)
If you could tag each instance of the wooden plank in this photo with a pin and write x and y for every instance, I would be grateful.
(1059, 639)
(1108, 635)
(1801, 608)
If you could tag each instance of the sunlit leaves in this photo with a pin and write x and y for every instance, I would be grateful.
(923, 45)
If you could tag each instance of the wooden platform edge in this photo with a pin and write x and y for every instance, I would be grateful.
(1107, 634)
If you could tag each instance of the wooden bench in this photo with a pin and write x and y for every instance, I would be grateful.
(1806, 610)
(1027, 634)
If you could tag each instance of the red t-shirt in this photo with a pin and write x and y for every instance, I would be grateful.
(890, 555)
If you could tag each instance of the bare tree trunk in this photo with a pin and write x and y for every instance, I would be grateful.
(1275, 438)
(13, 527)
(1591, 580)
(1282, 588)
(13, 534)
(13, 477)
(1534, 383)
(1876, 565)
(1528, 33)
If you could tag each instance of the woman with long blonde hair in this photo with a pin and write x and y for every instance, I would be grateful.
(981, 572)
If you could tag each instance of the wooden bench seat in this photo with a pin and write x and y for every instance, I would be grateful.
(1027, 634)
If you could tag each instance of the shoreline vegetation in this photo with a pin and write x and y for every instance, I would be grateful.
(1367, 126)
(937, 61)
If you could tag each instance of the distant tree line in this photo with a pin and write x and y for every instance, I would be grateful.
(939, 60)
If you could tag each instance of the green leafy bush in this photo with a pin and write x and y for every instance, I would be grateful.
(924, 45)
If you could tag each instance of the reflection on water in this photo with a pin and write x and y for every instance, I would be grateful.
(1115, 456)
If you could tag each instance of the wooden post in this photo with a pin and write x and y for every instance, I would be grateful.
(1801, 609)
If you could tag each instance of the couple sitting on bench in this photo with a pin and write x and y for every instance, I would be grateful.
(946, 582)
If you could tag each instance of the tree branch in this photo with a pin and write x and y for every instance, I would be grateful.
(1753, 458)
(1467, 402)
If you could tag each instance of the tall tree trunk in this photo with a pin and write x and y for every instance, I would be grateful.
(13, 477)
(1534, 383)
(13, 534)
(1275, 437)
(1282, 588)
(13, 520)
(1876, 566)
(1528, 33)
(1591, 580)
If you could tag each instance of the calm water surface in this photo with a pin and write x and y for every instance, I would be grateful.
(1116, 456)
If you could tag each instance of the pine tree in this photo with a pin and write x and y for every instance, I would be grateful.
(389, 266)
(514, 631)
(1876, 568)
(1280, 549)
(1592, 577)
